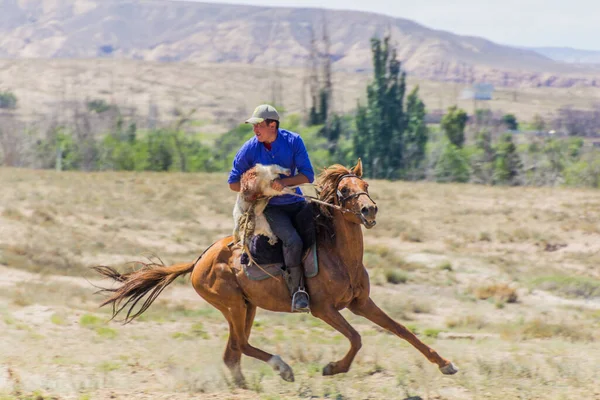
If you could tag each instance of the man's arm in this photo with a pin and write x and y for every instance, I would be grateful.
(295, 180)
(240, 165)
(303, 164)
(279, 184)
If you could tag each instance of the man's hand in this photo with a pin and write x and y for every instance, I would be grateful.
(277, 185)
(236, 186)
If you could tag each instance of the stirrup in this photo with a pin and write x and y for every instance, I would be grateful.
(303, 309)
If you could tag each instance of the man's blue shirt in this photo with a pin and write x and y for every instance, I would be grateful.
(287, 150)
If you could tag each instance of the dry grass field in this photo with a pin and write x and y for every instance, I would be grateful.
(505, 282)
(223, 95)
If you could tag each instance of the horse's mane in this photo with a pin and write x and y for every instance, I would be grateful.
(326, 192)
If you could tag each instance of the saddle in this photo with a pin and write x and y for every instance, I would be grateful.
(270, 257)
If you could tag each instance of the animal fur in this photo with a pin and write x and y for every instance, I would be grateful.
(256, 191)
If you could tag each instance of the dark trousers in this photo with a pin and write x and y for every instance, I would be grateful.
(280, 219)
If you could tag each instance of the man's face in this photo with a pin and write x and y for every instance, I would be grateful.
(264, 132)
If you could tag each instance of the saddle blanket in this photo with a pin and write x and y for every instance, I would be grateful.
(310, 264)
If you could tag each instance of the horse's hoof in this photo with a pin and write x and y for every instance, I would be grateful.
(286, 373)
(449, 369)
(240, 383)
(328, 370)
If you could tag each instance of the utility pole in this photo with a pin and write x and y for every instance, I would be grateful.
(327, 71)
(313, 79)
(276, 86)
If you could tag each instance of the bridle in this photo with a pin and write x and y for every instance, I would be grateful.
(341, 200)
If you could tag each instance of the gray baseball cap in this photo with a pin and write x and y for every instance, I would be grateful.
(262, 112)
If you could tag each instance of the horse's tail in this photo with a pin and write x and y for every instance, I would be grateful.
(152, 279)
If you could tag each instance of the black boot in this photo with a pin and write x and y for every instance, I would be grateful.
(300, 299)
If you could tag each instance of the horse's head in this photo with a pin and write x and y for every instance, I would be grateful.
(352, 194)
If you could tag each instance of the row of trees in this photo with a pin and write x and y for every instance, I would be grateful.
(389, 133)
(443, 153)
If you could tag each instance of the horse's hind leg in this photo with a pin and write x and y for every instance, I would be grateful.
(240, 320)
(250, 314)
(333, 317)
(233, 352)
(232, 359)
(369, 310)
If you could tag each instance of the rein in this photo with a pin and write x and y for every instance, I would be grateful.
(341, 200)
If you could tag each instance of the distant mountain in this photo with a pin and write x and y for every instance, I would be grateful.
(204, 32)
(569, 55)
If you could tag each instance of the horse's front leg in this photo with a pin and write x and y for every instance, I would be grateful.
(368, 309)
(333, 317)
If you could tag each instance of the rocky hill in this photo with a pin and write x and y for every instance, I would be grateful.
(569, 55)
(162, 30)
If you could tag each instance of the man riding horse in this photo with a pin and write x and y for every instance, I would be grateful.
(272, 145)
(342, 280)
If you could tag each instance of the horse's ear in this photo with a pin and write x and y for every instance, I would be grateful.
(357, 170)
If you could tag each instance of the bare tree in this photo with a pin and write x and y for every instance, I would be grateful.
(326, 64)
(179, 136)
(576, 122)
(11, 140)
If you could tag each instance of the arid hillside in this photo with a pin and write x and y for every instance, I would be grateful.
(162, 30)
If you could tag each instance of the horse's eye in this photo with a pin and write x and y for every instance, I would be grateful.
(345, 191)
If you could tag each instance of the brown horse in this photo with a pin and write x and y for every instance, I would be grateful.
(342, 282)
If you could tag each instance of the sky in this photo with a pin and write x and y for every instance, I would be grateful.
(527, 23)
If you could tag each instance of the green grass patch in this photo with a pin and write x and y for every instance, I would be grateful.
(58, 319)
(445, 266)
(106, 332)
(108, 366)
(89, 320)
(432, 332)
(181, 336)
(395, 276)
(197, 330)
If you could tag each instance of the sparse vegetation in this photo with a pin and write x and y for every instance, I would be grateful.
(499, 291)
(446, 266)
(58, 319)
(109, 366)
(395, 276)
(475, 322)
(112, 218)
(88, 320)
(8, 100)
(570, 285)
(432, 332)
(540, 328)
